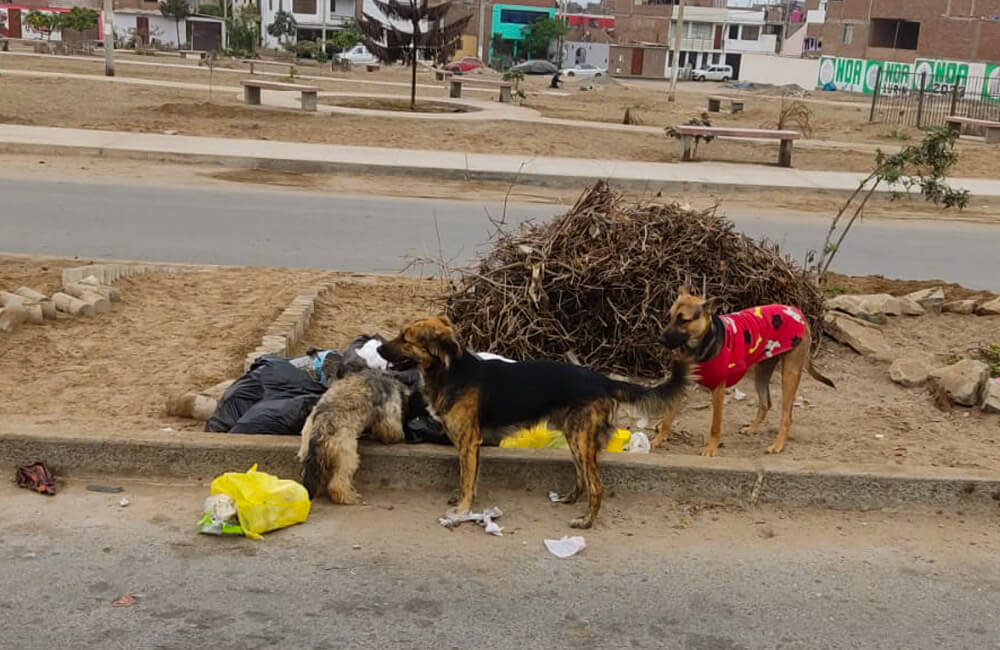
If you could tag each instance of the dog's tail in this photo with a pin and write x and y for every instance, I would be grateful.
(312, 464)
(654, 399)
(818, 376)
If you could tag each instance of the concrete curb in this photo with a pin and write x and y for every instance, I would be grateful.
(725, 480)
(109, 273)
(388, 169)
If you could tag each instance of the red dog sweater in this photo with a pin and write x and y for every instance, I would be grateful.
(750, 336)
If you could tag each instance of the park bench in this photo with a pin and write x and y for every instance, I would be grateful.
(504, 86)
(256, 62)
(991, 130)
(372, 67)
(443, 75)
(689, 133)
(715, 103)
(252, 88)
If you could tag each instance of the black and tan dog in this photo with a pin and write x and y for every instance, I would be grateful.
(481, 402)
(725, 347)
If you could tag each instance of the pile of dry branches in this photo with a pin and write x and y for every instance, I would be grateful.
(595, 285)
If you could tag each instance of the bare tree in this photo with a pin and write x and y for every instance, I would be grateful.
(430, 32)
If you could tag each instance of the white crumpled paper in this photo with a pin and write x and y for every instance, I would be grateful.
(565, 547)
(484, 519)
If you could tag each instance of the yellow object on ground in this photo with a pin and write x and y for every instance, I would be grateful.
(537, 436)
(619, 440)
(264, 502)
(540, 436)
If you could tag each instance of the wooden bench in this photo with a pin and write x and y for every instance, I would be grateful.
(504, 86)
(991, 130)
(372, 67)
(688, 134)
(715, 103)
(252, 88)
(253, 62)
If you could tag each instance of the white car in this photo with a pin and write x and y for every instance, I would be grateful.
(713, 73)
(358, 54)
(584, 70)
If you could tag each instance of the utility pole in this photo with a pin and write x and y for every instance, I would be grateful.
(678, 27)
(225, 23)
(109, 40)
(482, 32)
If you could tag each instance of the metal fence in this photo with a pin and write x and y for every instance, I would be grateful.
(923, 100)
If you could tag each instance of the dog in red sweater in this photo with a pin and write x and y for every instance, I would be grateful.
(724, 347)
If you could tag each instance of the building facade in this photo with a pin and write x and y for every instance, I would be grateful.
(315, 19)
(906, 30)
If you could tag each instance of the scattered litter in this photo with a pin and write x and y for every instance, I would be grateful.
(125, 601)
(369, 352)
(356, 547)
(220, 516)
(638, 443)
(170, 132)
(36, 477)
(619, 441)
(166, 430)
(879, 436)
(739, 395)
(105, 488)
(537, 436)
(799, 403)
(124, 503)
(30, 555)
(489, 356)
(566, 547)
(553, 496)
(484, 519)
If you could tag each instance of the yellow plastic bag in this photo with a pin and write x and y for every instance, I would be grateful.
(264, 502)
(536, 436)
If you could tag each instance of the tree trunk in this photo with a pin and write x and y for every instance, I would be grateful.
(413, 68)
(177, 26)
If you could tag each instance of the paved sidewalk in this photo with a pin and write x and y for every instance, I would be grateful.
(304, 157)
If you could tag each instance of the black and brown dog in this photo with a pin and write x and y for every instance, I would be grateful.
(481, 402)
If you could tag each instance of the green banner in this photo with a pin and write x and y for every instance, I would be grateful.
(991, 84)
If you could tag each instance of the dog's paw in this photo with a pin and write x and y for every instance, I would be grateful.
(709, 451)
(454, 513)
(749, 429)
(775, 449)
(581, 522)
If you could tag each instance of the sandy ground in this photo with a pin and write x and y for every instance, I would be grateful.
(188, 331)
(91, 169)
(91, 104)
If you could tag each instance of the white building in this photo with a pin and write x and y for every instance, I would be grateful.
(719, 35)
(316, 19)
(149, 26)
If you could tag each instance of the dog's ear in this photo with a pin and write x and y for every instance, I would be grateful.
(440, 342)
(683, 291)
(711, 306)
(446, 321)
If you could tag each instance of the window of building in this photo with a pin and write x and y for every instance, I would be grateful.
(895, 34)
(701, 30)
(521, 16)
(304, 6)
(734, 32)
(716, 58)
(270, 5)
(848, 34)
(333, 6)
(750, 33)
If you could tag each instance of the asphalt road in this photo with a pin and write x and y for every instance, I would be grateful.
(246, 226)
(653, 575)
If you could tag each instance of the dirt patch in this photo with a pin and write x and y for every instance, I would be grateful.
(397, 105)
(866, 284)
(188, 331)
(112, 106)
(370, 305)
(170, 332)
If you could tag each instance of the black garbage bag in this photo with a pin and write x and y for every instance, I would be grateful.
(277, 416)
(419, 425)
(238, 398)
(270, 379)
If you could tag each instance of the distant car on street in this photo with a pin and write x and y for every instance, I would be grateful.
(465, 64)
(358, 55)
(584, 70)
(713, 73)
(536, 66)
